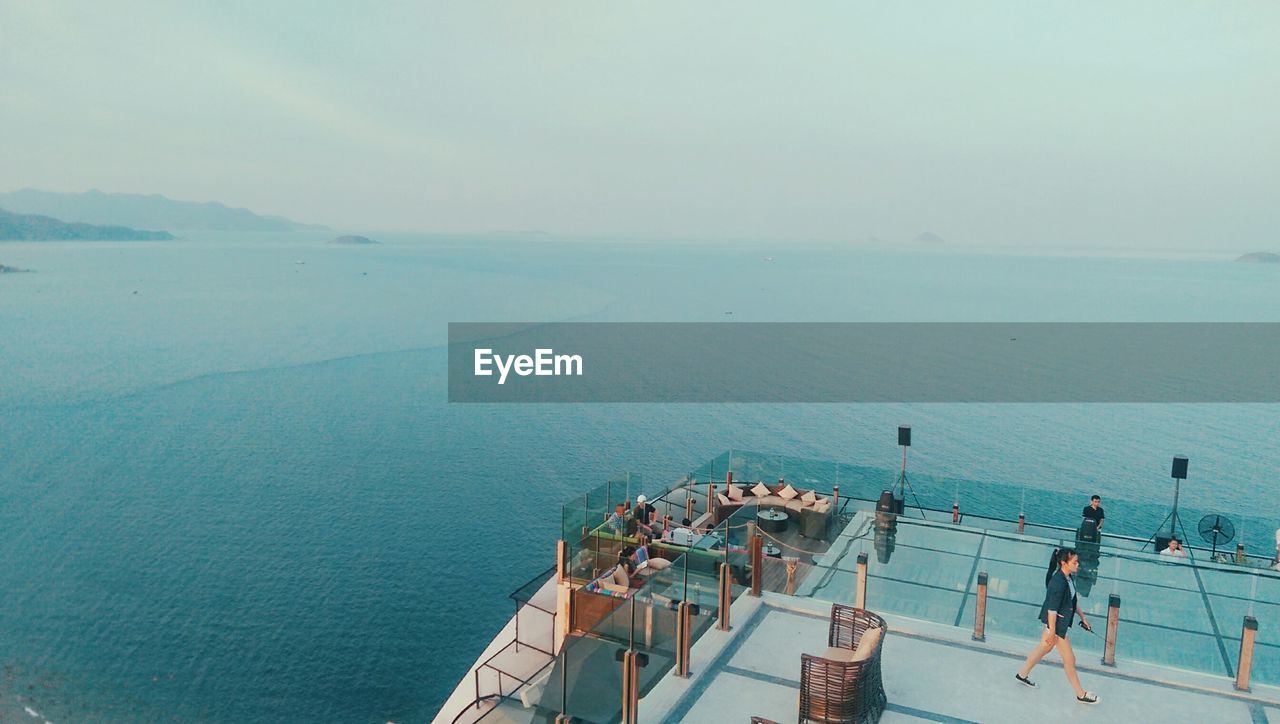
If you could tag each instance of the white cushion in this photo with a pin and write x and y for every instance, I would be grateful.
(659, 564)
(735, 493)
(614, 588)
(620, 577)
(867, 644)
(772, 501)
(759, 490)
(838, 654)
(809, 498)
(788, 492)
(723, 500)
(794, 505)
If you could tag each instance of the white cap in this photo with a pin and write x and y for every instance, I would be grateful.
(640, 498)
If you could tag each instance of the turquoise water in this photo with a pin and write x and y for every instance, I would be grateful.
(238, 494)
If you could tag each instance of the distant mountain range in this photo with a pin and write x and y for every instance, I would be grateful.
(32, 227)
(150, 211)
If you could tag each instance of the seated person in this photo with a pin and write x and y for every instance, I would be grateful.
(647, 517)
(618, 519)
(1174, 549)
(627, 564)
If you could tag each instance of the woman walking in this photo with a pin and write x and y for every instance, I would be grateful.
(1057, 614)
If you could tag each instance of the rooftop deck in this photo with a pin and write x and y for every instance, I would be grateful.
(1177, 640)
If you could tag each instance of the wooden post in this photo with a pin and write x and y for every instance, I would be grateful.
(726, 596)
(683, 630)
(562, 561)
(980, 611)
(1113, 623)
(757, 570)
(1247, 636)
(955, 512)
(688, 505)
(630, 688)
(860, 600)
(1022, 523)
(1240, 553)
(728, 479)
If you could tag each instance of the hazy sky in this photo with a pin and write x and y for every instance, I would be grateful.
(1134, 124)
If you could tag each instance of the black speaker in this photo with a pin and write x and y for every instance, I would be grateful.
(1088, 531)
(904, 435)
(1179, 467)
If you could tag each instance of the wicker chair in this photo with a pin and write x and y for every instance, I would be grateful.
(844, 691)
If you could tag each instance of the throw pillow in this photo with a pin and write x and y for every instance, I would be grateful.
(659, 564)
(788, 492)
(723, 500)
(759, 490)
(808, 498)
(735, 493)
(620, 576)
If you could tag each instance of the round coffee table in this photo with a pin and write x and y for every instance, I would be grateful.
(772, 550)
(774, 521)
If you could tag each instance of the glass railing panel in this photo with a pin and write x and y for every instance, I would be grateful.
(999, 503)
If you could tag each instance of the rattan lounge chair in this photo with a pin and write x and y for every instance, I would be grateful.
(844, 684)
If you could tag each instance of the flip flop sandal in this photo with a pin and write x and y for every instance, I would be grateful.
(1088, 698)
(1026, 680)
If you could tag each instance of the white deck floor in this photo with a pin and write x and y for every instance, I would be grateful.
(931, 673)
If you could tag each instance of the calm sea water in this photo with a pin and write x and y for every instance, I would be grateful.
(231, 489)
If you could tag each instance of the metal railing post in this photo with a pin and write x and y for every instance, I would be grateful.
(1022, 523)
(1113, 623)
(1248, 633)
(860, 600)
(726, 596)
(980, 611)
(835, 500)
(955, 512)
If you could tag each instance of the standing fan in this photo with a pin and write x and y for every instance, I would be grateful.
(1216, 529)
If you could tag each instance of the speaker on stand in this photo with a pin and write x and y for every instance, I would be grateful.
(1159, 539)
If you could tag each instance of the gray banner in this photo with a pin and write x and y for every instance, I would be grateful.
(830, 362)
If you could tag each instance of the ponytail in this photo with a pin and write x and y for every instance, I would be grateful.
(1059, 556)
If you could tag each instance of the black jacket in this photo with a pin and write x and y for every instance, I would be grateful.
(1057, 597)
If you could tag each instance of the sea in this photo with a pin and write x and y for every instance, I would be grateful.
(232, 488)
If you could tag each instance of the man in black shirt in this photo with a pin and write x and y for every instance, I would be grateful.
(646, 514)
(1093, 511)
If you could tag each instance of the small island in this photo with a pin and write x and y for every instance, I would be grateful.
(1260, 257)
(11, 270)
(928, 237)
(351, 239)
